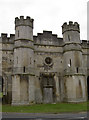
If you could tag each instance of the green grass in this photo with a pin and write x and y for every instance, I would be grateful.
(0, 101)
(46, 108)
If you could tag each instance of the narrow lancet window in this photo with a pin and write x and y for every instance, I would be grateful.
(68, 37)
(70, 62)
(24, 69)
(17, 60)
(77, 69)
(30, 60)
(18, 33)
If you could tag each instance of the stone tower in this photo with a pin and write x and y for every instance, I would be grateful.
(23, 68)
(74, 76)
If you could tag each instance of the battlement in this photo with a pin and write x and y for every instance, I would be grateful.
(84, 42)
(70, 27)
(3, 35)
(24, 22)
(6, 39)
(47, 34)
(47, 38)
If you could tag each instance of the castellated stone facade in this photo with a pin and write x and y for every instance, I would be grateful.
(44, 68)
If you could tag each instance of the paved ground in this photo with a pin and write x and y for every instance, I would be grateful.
(41, 116)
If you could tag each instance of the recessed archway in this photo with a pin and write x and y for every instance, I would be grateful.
(48, 88)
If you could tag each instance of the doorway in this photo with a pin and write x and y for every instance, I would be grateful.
(88, 87)
(48, 89)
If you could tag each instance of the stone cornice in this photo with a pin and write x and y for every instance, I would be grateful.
(24, 47)
(23, 39)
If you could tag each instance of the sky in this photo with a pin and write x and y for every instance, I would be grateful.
(47, 14)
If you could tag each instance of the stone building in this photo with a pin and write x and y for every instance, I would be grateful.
(44, 68)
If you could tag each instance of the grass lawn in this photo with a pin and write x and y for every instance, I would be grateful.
(0, 101)
(47, 108)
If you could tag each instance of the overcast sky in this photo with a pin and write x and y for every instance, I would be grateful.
(47, 14)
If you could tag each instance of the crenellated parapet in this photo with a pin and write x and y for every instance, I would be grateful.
(70, 27)
(47, 38)
(85, 44)
(6, 39)
(4, 36)
(24, 22)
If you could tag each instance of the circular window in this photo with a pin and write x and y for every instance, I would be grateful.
(48, 60)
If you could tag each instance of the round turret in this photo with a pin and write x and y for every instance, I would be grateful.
(73, 65)
(24, 28)
(71, 32)
(23, 68)
(70, 27)
(21, 22)
(24, 47)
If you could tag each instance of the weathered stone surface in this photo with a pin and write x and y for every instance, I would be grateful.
(29, 77)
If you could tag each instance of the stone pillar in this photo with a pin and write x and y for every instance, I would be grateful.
(57, 88)
(15, 89)
(31, 89)
(38, 92)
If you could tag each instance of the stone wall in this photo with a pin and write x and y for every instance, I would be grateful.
(44, 68)
(7, 65)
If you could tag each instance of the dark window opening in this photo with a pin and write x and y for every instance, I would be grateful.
(30, 60)
(48, 60)
(70, 62)
(24, 69)
(68, 37)
(18, 33)
(17, 60)
(77, 69)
